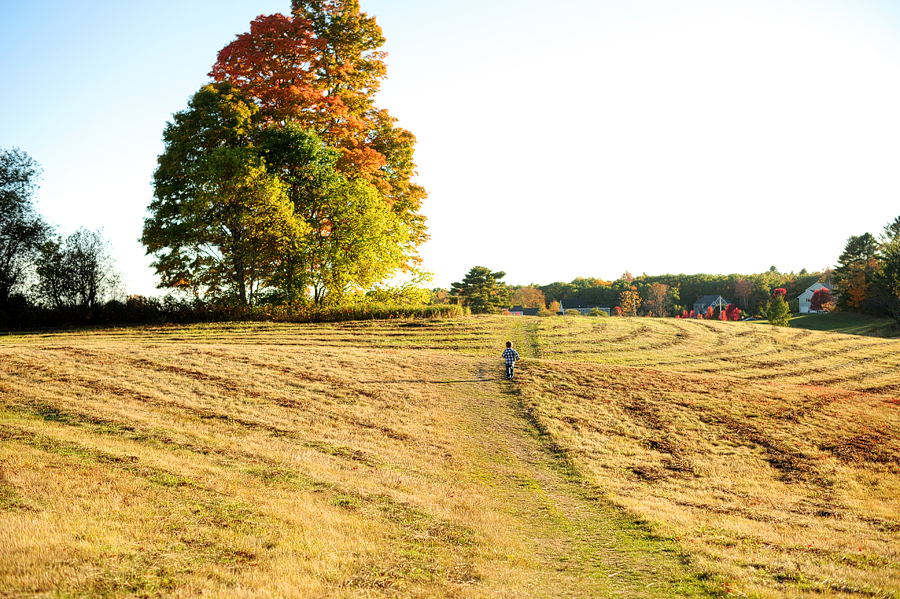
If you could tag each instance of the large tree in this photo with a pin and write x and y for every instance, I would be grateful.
(482, 290)
(243, 206)
(321, 69)
(855, 272)
(22, 230)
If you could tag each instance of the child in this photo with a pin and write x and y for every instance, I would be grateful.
(510, 355)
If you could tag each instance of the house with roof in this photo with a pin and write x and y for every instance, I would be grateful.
(521, 311)
(806, 297)
(704, 303)
(583, 308)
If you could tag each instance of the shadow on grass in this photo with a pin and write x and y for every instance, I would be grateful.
(848, 323)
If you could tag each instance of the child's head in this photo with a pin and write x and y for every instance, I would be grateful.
(509, 344)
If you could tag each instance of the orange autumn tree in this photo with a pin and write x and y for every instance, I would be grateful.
(321, 69)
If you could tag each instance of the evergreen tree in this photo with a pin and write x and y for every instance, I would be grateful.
(482, 290)
(855, 272)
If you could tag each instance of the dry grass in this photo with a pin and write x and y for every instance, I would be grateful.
(771, 468)
(172, 468)
(381, 459)
(348, 460)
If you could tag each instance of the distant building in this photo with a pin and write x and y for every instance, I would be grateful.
(520, 311)
(806, 297)
(716, 301)
(583, 308)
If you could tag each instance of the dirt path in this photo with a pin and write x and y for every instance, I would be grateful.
(583, 546)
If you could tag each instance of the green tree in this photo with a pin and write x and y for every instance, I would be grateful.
(219, 220)
(556, 292)
(891, 231)
(887, 279)
(77, 271)
(855, 272)
(778, 312)
(482, 290)
(673, 300)
(353, 238)
(22, 230)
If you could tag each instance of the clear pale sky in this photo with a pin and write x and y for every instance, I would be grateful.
(578, 138)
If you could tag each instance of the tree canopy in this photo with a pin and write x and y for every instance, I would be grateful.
(321, 69)
(243, 208)
(22, 230)
(77, 271)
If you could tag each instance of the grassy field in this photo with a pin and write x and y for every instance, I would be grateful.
(631, 458)
(847, 322)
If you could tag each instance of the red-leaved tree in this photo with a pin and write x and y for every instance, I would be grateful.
(781, 291)
(729, 312)
(710, 313)
(820, 299)
(617, 311)
(275, 63)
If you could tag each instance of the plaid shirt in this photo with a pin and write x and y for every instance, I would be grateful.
(510, 355)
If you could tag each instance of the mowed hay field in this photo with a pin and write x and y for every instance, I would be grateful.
(630, 458)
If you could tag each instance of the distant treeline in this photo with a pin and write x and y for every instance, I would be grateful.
(749, 292)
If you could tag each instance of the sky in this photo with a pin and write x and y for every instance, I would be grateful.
(583, 138)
